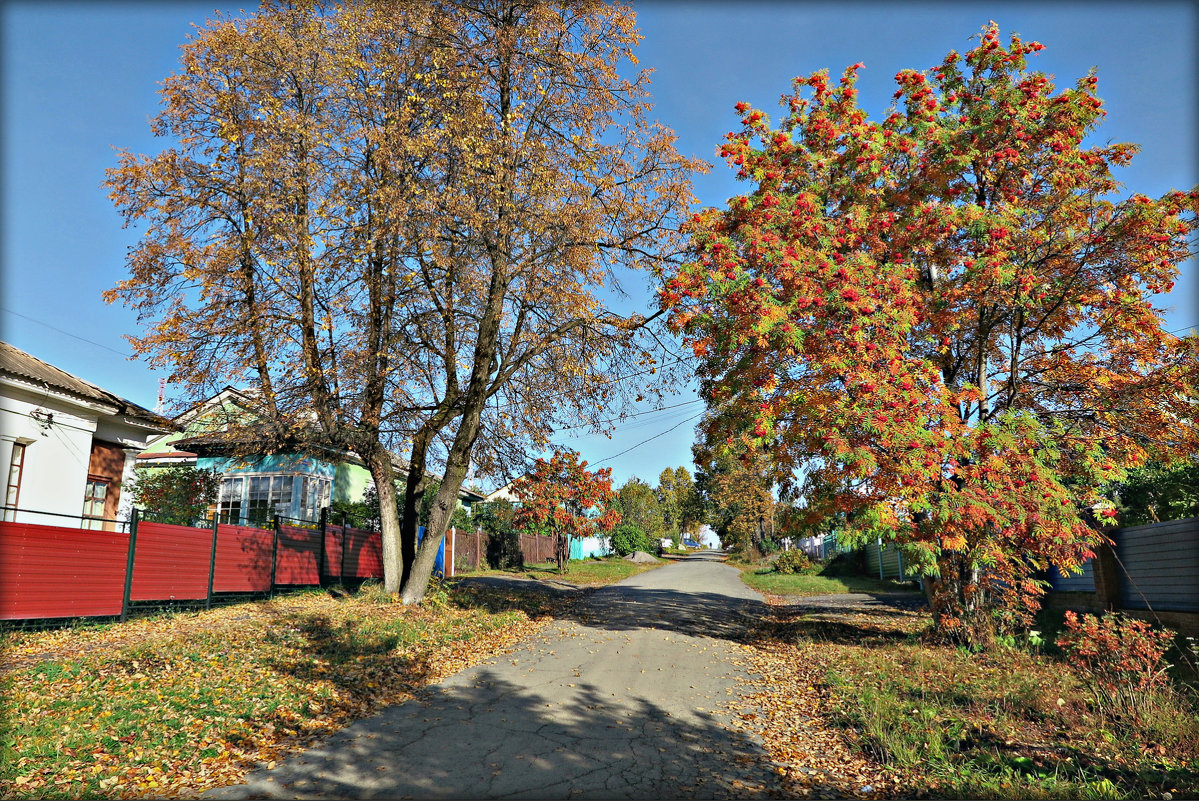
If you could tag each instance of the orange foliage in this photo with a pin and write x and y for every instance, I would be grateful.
(944, 316)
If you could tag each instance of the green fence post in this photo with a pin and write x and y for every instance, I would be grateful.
(129, 566)
(324, 534)
(211, 564)
(341, 570)
(274, 555)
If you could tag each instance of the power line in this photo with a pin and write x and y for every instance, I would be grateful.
(642, 442)
(629, 416)
(67, 333)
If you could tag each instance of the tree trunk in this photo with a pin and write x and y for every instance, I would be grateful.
(378, 461)
(562, 552)
(457, 462)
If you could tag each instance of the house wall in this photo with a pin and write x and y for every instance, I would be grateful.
(272, 463)
(56, 456)
(108, 462)
(350, 482)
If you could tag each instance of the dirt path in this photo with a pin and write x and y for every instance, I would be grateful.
(626, 700)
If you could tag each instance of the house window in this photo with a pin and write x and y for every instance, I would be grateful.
(12, 494)
(94, 497)
(313, 496)
(256, 499)
(229, 500)
(267, 497)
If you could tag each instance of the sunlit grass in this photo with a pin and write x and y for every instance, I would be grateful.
(765, 579)
(1010, 722)
(175, 705)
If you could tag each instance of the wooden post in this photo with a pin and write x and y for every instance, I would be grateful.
(129, 565)
(1108, 590)
(211, 564)
(478, 547)
(881, 575)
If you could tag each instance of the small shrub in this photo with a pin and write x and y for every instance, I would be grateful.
(793, 561)
(1121, 659)
(437, 597)
(628, 537)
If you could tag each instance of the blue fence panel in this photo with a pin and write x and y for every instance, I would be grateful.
(439, 562)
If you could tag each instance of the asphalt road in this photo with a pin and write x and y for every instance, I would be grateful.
(623, 701)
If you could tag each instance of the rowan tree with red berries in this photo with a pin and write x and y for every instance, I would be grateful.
(556, 496)
(945, 320)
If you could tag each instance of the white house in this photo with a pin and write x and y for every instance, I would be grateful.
(67, 446)
(505, 493)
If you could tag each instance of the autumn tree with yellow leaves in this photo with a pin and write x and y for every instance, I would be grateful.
(398, 221)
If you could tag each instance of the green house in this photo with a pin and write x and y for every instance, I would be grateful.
(290, 485)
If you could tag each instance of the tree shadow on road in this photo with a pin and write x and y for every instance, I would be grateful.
(621, 608)
(490, 738)
(847, 618)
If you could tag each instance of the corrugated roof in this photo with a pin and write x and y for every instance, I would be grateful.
(19, 363)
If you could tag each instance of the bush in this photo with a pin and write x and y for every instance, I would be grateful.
(793, 561)
(175, 494)
(1120, 658)
(628, 537)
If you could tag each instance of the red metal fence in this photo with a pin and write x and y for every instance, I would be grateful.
(57, 572)
(52, 571)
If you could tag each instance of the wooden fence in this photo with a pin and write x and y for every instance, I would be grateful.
(1153, 567)
(467, 550)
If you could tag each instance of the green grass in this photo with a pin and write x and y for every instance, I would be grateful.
(1006, 723)
(765, 579)
(178, 704)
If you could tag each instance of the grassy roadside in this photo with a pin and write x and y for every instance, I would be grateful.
(584, 572)
(801, 584)
(170, 706)
(925, 720)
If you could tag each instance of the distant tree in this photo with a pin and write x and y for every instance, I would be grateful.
(639, 506)
(1156, 492)
(680, 504)
(556, 496)
(363, 513)
(742, 503)
(629, 537)
(176, 494)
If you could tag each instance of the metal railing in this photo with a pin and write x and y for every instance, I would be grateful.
(16, 514)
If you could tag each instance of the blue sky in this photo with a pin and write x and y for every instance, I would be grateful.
(79, 79)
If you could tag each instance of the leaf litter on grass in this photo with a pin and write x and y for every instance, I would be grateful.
(785, 705)
(934, 721)
(171, 706)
